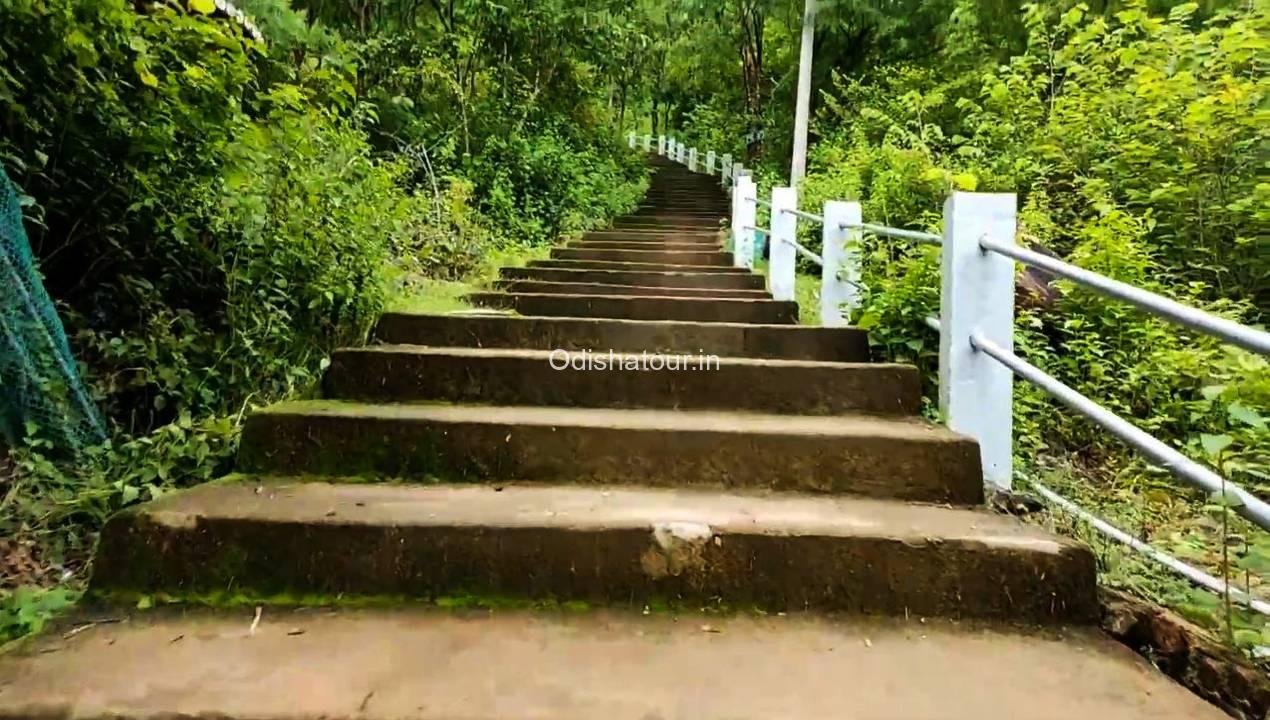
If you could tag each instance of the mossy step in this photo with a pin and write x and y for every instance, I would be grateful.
(731, 310)
(669, 257)
(409, 373)
(635, 266)
(627, 545)
(646, 245)
(790, 342)
(543, 287)
(682, 236)
(866, 455)
(721, 281)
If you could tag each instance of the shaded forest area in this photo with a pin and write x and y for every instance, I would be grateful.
(213, 213)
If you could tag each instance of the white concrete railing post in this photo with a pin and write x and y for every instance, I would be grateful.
(977, 295)
(648, 143)
(840, 275)
(683, 154)
(692, 159)
(630, 138)
(780, 244)
(670, 147)
(744, 212)
(737, 170)
(661, 144)
(709, 162)
(725, 169)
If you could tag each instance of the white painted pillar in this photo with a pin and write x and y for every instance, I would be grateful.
(737, 170)
(648, 143)
(683, 154)
(661, 144)
(692, 159)
(670, 147)
(840, 276)
(630, 139)
(725, 171)
(781, 252)
(977, 295)
(744, 213)
(709, 162)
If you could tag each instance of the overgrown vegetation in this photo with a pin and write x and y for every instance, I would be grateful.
(214, 213)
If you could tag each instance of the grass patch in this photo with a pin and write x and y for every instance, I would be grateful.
(436, 297)
(806, 294)
(1155, 509)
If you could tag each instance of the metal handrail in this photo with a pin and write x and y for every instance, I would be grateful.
(761, 201)
(888, 231)
(805, 252)
(756, 228)
(1194, 574)
(804, 215)
(1257, 341)
(1182, 467)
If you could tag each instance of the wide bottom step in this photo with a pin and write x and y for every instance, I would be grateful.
(517, 665)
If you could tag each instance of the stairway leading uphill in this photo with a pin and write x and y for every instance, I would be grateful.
(775, 478)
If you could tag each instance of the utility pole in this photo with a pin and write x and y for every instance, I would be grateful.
(798, 167)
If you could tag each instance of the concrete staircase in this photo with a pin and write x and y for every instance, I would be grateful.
(452, 463)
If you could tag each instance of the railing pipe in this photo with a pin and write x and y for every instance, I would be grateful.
(764, 203)
(1195, 575)
(782, 255)
(805, 215)
(807, 253)
(1257, 341)
(888, 231)
(1161, 454)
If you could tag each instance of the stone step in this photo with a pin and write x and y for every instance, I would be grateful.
(388, 664)
(876, 456)
(687, 209)
(634, 266)
(668, 257)
(682, 236)
(738, 310)
(600, 545)
(721, 281)
(790, 342)
(574, 288)
(666, 222)
(603, 378)
(647, 245)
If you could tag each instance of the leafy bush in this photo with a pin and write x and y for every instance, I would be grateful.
(1130, 141)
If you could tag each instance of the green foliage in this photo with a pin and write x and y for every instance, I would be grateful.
(1131, 139)
(27, 609)
(214, 214)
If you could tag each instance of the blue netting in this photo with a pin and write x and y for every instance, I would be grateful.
(39, 381)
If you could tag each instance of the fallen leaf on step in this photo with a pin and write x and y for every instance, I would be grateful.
(295, 631)
(868, 643)
(710, 629)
